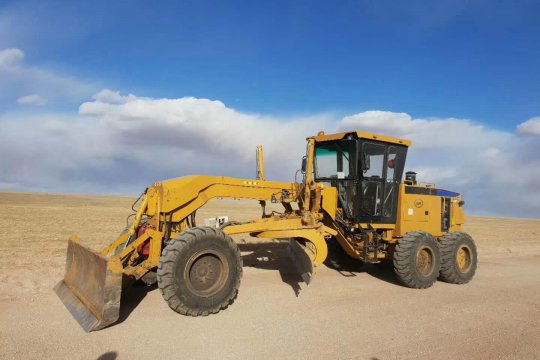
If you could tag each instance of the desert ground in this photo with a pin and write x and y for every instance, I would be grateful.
(353, 312)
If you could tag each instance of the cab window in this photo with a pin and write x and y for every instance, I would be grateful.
(332, 161)
(373, 160)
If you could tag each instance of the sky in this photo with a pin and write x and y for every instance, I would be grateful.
(107, 97)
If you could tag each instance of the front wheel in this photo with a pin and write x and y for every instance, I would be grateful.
(199, 272)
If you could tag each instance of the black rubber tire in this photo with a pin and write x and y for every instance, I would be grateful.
(172, 271)
(449, 245)
(338, 259)
(150, 278)
(406, 258)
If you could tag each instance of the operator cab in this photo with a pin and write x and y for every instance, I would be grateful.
(366, 169)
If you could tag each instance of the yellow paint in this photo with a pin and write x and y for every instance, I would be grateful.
(317, 218)
(329, 200)
(415, 212)
(362, 135)
(260, 163)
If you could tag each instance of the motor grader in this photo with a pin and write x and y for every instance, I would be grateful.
(352, 194)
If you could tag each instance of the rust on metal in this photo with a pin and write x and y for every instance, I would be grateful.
(91, 287)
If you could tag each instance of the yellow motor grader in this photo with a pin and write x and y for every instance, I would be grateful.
(352, 194)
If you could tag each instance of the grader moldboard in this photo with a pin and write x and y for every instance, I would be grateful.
(352, 194)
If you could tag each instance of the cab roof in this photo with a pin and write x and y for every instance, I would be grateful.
(321, 136)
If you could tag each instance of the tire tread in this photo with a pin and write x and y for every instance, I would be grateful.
(404, 256)
(165, 271)
(449, 272)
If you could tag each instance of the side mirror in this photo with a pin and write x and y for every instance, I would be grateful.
(304, 165)
(365, 162)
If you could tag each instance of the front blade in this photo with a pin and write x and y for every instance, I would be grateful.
(301, 259)
(91, 288)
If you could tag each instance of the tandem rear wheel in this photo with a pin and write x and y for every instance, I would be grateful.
(417, 260)
(199, 272)
(459, 258)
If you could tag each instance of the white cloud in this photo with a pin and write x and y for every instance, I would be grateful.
(18, 79)
(122, 143)
(10, 57)
(34, 99)
(112, 97)
(192, 123)
(375, 120)
(426, 134)
(530, 127)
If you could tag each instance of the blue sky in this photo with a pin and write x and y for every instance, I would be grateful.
(109, 96)
(467, 59)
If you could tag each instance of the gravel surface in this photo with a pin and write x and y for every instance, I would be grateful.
(356, 313)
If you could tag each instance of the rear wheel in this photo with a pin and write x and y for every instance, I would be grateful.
(199, 272)
(417, 260)
(459, 258)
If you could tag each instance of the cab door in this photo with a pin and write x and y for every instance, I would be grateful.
(380, 170)
(372, 158)
(394, 165)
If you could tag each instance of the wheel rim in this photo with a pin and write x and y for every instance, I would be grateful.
(424, 261)
(206, 273)
(463, 259)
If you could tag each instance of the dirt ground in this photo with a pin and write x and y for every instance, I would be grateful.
(354, 313)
